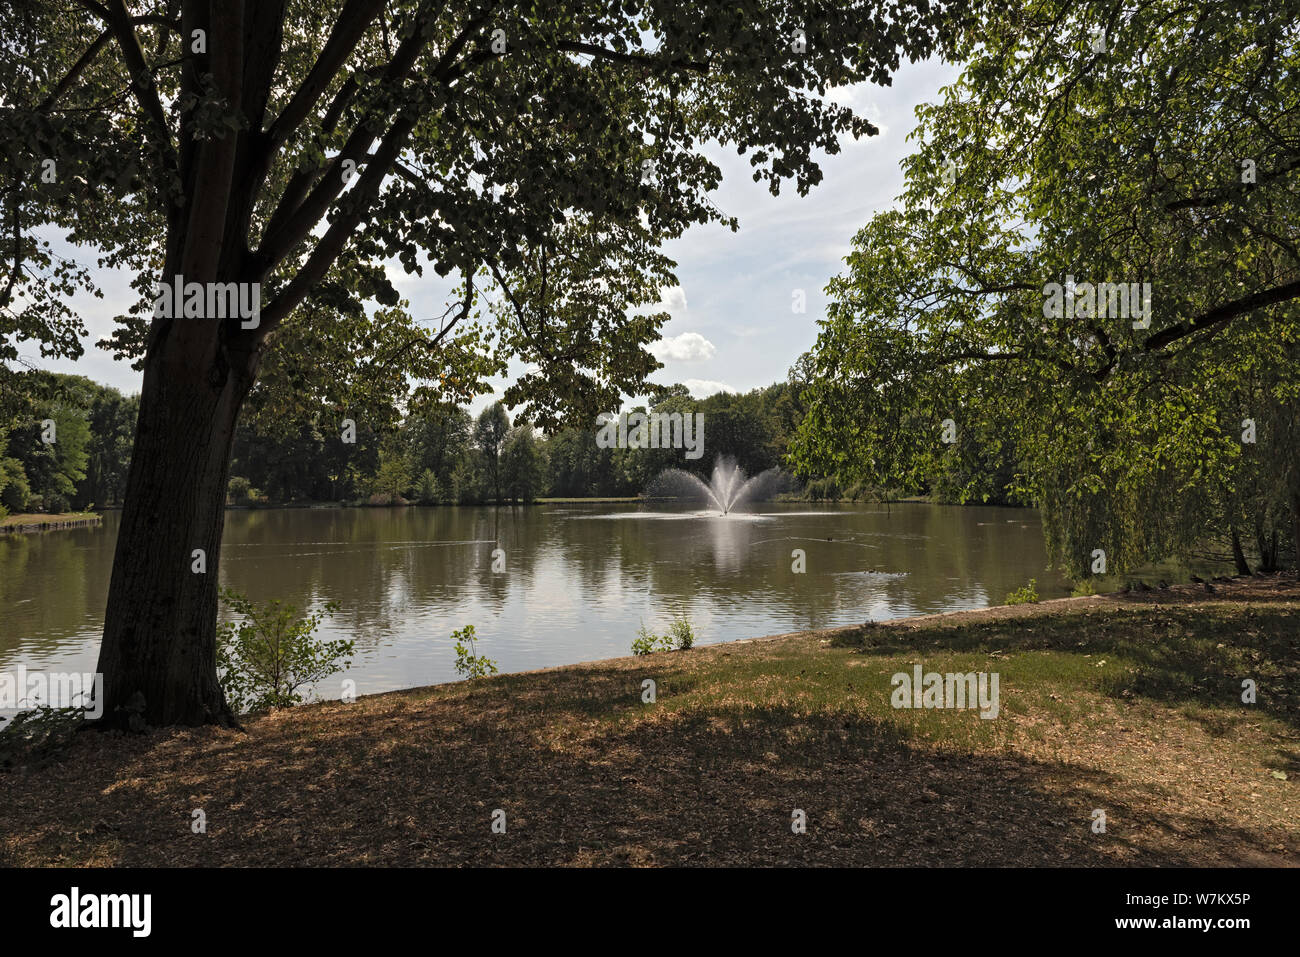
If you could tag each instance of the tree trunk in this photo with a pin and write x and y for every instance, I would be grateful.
(158, 655)
(1295, 527)
(1261, 545)
(1238, 555)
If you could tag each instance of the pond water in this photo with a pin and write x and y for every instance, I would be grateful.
(576, 582)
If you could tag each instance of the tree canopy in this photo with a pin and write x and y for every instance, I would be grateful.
(1088, 151)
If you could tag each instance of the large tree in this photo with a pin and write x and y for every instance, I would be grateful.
(303, 145)
(1155, 142)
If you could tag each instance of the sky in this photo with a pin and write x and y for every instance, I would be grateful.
(732, 327)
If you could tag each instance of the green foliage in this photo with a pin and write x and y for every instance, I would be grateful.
(559, 274)
(14, 488)
(427, 490)
(1048, 160)
(87, 462)
(34, 736)
(468, 662)
(489, 433)
(391, 480)
(1023, 596)
(111, 417)
(523, 467)
(647, 642)
(681, 632)
(680, 636)
(265, 659)
(239, 490)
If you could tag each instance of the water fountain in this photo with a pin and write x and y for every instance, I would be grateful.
(727, 488)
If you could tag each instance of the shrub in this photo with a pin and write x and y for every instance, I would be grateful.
(1023, 596)
(681, 633)
(34, 736)
(680, 636)
(57, 504)
(265, 660)
(468, 662)
(239, 490)
(14, 489)
(647, 642)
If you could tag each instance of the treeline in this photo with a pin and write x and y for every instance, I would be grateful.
(440, 454)
(71, 448)
(437, 454)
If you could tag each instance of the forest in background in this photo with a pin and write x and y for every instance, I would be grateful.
(437, 453)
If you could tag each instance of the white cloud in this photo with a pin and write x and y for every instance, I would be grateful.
(672, 300)
(861, 98)
(688, 347)
(701, 388)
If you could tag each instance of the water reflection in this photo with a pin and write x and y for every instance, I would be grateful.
(578, 580)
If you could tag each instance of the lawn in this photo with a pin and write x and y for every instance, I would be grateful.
(1127, 704)
(41, 518)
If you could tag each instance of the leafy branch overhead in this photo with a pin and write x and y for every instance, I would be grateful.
(1152, 147)
(474, 139)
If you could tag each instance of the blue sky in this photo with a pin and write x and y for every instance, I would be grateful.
(732, 325)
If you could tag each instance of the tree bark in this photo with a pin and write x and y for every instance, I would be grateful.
(1238, 555)
(158, 655)
(1295, 527)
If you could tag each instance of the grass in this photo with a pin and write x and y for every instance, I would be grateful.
(39, 518)
(1129, 704)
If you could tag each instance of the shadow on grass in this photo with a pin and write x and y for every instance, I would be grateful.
(414, 779)
(1184, 655)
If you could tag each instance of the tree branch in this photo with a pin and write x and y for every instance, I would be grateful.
(77, 69)
(146, 94)
(296, 221)
(1221, 314)
(353, 21)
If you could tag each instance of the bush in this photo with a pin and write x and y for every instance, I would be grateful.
(680, 636)
(14, 489)
(239, 490)
(266, 659)
(57, 504)
(33, 737)
(35, 503)
(683, 636)
(647, 642)
(1023, 596)
(468, 662)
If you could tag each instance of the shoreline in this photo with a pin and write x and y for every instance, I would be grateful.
(1128, 703)
(50, 523)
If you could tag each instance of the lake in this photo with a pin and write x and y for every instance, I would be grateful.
(577, 580)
